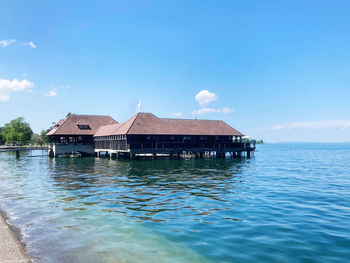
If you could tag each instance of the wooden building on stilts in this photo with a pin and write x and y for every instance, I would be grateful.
(146, 135)
(74, 134)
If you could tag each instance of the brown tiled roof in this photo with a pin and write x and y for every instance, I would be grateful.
(69, 126)
(108, 129)
(147, 123)
(60, 122)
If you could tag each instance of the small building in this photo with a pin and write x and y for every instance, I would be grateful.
(147, 135)
(75, 134)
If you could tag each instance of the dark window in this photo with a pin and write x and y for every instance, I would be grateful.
(84, 126)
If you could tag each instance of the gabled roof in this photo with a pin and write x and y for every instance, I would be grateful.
(69, 126)
(108, 129)
(148, 124)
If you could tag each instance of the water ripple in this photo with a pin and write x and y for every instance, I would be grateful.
(288, 204)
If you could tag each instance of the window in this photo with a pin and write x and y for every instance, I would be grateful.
(203, 138)
(187, 138)
(84, 126)
(172, 138)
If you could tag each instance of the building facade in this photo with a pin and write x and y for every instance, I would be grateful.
(145, 135)
(75, 134)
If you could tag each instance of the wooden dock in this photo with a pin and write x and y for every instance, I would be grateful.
(18, 149)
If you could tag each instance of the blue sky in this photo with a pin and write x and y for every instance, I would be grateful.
(276, 70)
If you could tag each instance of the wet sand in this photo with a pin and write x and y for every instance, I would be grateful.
(11, 249)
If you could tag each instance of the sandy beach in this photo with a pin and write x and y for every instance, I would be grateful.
(11, 249)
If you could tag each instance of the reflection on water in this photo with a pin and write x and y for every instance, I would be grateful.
(118, 210)
(144, 189)
(279, 206)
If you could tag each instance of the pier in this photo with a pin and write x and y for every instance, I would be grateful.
(18, 149)
(171, 154)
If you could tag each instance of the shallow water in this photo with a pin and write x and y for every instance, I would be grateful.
(289, 203)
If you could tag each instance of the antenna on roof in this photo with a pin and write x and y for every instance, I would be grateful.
(139, 106)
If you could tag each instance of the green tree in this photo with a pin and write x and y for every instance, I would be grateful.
(1, 137)
(17, 131)
(254, 141)
(43, 135)
(44, 138)
(35, 138)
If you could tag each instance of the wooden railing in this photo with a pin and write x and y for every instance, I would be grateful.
(113, 145)
(185, 145)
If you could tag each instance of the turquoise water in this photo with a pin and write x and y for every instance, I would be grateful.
(289, 203)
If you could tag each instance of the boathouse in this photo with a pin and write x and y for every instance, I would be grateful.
(75, 134)
(147, 135)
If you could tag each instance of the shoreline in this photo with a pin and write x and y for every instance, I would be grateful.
(11, 248)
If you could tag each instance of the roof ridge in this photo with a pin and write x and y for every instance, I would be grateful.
(62, 124)
(90, 115)
(137, 115)
(178, 119)
(122, 124)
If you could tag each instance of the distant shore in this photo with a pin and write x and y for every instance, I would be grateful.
(11, 248)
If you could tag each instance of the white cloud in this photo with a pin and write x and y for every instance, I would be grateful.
(30, 44)
(139, 106)
(51, 93)
(8, 42)
(177, 114)
(203, 111)
(8, 86)
(205, 97)
(327, 124)
(53, 90)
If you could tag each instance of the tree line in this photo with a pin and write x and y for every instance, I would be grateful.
(18, 131)
(253, 141)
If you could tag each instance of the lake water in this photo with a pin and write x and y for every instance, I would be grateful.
(289, 203)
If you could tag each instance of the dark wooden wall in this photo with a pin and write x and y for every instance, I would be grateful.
(71, 139)
(180, 142)
(111, 144)
(174, 142)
